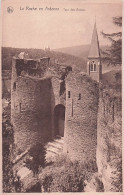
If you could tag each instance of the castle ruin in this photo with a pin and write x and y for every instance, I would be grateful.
(43, 106)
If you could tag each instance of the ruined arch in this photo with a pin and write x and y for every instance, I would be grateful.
(59, 120)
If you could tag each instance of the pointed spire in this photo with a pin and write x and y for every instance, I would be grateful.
(94, 48)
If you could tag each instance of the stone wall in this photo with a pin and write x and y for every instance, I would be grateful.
(30, 67)
(109, 139)
(31, 111)
(81, 117)
(33, 101)
(95, 75)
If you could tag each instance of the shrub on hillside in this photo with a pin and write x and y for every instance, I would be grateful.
(37, 152)
(11, 182)
(94, 184)
(66, 176)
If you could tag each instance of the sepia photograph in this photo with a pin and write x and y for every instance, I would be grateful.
(61, 75)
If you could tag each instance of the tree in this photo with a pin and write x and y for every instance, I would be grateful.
(38, 153)
(11, 182)
(114, 54)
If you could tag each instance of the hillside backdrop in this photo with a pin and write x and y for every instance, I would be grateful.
(79, 51)
(76, 57)
(60, 58)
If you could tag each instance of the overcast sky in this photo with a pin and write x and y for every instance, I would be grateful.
(39, 28)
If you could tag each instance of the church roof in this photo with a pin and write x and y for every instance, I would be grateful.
(94, 48)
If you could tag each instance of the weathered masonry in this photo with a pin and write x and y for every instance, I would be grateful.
(81, 117)
(37, 107)
(45, 106)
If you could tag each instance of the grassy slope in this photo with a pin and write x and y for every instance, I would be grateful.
(112, 81)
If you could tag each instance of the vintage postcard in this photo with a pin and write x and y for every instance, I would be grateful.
(61, 96)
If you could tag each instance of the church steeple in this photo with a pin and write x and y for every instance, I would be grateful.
(94, 48)
(94, 67)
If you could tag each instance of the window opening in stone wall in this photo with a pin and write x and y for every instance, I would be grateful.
(72, 108)
(20, 107)
(93, 66)
(69, 94)
(14, 86)
(79, 98)
(113, 111)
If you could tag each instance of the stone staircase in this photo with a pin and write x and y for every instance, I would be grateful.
(54, 148)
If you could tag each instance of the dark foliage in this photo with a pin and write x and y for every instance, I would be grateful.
(99, 185)
(112, 82)
(37, 152)
(114, 54)
(35, 188)
(68, 178)
(11, 182)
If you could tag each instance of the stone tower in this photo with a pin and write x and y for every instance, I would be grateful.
(94, 67)
(80, 135)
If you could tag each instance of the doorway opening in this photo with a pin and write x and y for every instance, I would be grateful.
(59, 120)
